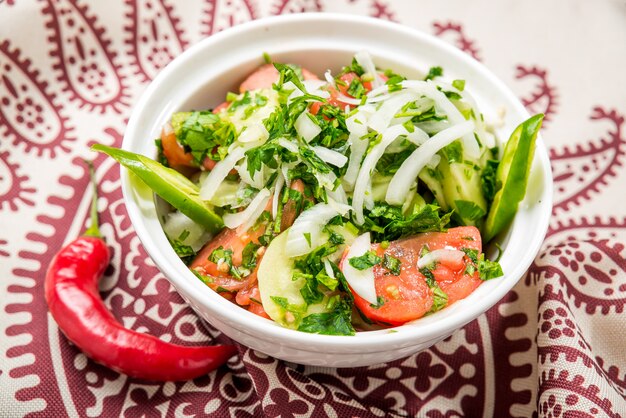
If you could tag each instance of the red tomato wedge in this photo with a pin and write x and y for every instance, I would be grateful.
(173, 151)
(407, 297)
(342, 87)
(175, 154)
(266, 75)
(348, 78)
(222, 106)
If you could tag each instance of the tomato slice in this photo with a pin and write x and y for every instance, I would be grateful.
(342, 87)
(176, 155)
(228, 239)
(173, 151)
(347, 79)
(222, 106)
(251, 297)
(290, 210)
(265, 76)
(407, 297)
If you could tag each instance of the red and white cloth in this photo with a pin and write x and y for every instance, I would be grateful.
(70, 72)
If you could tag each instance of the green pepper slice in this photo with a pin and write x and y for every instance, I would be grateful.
(169, 184)
(512, 176)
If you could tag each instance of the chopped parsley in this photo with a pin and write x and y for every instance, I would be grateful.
(459, 84)
(489, 269)
(203, 134)
(336, 322)
(356, 88)
(469, 210)
(440, 298)
(488, 180)
(185, 252)
(392, 264)
(388, 223)
(221, 256)
(365, 261)
(434, 72)
(249, 255)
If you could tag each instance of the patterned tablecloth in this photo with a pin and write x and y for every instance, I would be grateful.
(70, 73)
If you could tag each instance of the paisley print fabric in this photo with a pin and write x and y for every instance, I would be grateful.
(70, 72)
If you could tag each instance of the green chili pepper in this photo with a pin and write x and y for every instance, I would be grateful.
(512, 176)
(169, 184)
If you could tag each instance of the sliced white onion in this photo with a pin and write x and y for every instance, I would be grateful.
(488, 139)
(290, 85)
(254, 132)
(429, 89)
(480, 124)
(278, 187)
(310, 222)
(433, 126)
(330, 79)
(326, 180)
(368, 201)
(288, 145)
(386, 113)
(256, 181)
(220, 171)
(453, 256)
(285, 170)
(409, 199)
(306, 128)
(357, 123)
(410, 168)
(398, 145)
(315, 87)
(434, 161)
(361, 281)
(330, 156)
(337, 197)
(247, 217)
(349, 100)
(365, 174)
(378, 92)
(364, 59)
(418, 136)
(329, 269)
(358, 147)
(177, 223)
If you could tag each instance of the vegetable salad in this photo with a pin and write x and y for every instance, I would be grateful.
(354, 201)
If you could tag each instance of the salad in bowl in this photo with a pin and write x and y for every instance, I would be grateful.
(336, 203)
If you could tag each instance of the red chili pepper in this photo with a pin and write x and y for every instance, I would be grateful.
(71, 289)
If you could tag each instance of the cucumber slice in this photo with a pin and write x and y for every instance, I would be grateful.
(275, 280)
(512, 175)
(169, 184)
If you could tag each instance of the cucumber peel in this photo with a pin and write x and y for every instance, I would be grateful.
(169, 184)
(512, 176)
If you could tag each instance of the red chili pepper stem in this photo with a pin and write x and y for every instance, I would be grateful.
(94, 229)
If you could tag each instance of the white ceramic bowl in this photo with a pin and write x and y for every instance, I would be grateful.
(200, 78)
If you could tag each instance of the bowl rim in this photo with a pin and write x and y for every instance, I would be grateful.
(232, 313)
